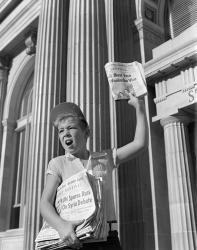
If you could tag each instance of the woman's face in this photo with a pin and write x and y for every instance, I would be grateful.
(72, 137)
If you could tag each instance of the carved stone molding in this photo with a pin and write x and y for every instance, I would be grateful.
(9, 124)
(30, 42)
(139, 23)
(160, 99)
(150, 13)
(149, 31)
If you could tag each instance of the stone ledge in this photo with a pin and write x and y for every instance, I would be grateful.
(176, 43)
(6, 6)
(12, 233)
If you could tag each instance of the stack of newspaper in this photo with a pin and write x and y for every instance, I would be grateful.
(79, 197)
(126, 78)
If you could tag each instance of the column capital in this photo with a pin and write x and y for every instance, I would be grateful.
(175, 119)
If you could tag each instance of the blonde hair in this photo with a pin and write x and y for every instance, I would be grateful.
(83, 123)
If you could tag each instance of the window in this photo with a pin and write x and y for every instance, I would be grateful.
(21, 157)
(183, 14)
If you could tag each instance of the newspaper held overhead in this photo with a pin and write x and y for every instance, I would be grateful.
(126, 78)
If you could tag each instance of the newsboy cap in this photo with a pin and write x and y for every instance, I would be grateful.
(66, 109)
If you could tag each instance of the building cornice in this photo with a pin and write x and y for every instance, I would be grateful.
(6, 6)
(17, 23)
(175, 54)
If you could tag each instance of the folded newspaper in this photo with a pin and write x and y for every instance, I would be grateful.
(125, 78)
(79, 197)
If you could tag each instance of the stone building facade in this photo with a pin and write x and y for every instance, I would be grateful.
(55, 50)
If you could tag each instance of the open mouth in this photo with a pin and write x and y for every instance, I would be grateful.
(68, 142)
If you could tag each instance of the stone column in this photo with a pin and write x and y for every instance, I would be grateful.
(3, 89)
(180, 184)
(86, 79)
(49, 72)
